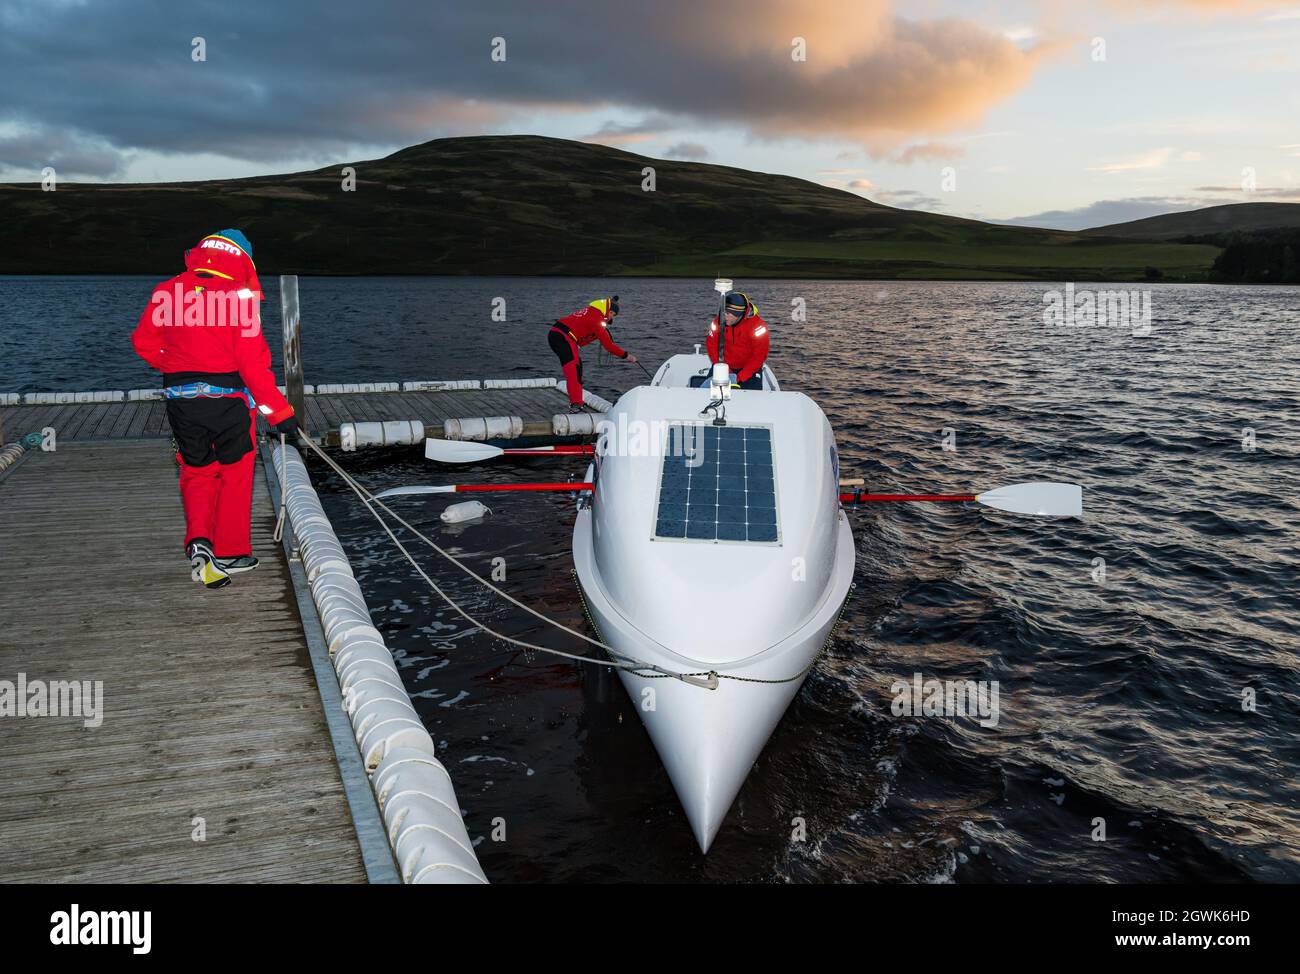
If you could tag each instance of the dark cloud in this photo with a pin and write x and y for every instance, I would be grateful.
(70, 155)
(301, 79)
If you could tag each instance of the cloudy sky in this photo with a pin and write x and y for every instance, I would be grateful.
(1063, 114)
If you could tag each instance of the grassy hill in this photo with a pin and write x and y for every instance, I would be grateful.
(1209, 221)
(533, 205)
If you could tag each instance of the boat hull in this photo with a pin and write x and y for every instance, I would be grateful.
(708, 740)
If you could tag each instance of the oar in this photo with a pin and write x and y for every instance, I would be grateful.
(1040, 499)
(464, 451)
(480, 488)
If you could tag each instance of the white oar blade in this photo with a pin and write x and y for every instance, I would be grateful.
(459, 451)
(400, 491)
(1043, 500)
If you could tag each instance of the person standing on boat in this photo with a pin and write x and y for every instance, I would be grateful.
(203, 330)
(583, 327)
(745, 341)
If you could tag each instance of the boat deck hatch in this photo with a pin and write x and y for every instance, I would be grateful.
(717, 484)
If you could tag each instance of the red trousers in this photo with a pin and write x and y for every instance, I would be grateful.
(566, 349)
(218, 500)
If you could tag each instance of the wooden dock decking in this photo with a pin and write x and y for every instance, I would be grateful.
(211, 709)
(326, 412)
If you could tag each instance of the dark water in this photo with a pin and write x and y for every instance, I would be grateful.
(1120, 699)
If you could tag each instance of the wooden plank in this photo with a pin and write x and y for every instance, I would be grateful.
(108, 416)
(123, 421)
(333, 416)
(318, 420)
(157, 424)
(83, 415)
(383, 406)
(136, 430)
(34, 418)
(21, 420)
(210, 703)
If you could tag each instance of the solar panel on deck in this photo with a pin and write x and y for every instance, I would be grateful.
(718, 484)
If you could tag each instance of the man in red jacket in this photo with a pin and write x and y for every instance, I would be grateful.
(583, 327)
(203, 331)
(745, 341)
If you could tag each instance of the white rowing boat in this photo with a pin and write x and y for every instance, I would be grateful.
(714, 555)
(717, 549)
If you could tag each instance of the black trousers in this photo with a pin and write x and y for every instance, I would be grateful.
(562, 347)
(209, 430)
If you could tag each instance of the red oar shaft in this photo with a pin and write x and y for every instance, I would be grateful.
(862, 498)
(484, 488)
(563, 451)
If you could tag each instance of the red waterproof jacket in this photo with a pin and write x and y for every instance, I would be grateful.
(746, 344)
(199, 323)
(589, 325)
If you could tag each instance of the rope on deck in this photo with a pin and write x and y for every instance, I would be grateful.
(11, 454)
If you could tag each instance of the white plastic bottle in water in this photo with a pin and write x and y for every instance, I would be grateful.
(465, 511)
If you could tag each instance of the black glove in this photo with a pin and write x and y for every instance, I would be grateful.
(287, 427)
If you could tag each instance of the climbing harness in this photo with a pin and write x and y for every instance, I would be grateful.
(205, 390)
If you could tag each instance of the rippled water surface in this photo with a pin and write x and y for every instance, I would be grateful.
(1121, 698)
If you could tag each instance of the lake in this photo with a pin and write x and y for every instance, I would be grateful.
(1146, 655)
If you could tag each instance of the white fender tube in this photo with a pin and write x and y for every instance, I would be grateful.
(439, 385)
(413, 790)
(596, 402)
(419, 804)
(573, 424)
(483, 428)
(48, 398)
(518, 383)
(336, 387)
(400, 432)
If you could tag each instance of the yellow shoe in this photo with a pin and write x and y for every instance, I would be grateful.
(203, 565)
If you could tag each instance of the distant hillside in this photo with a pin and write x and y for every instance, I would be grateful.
(1259, 243)
(532, 205)
(1212, 220)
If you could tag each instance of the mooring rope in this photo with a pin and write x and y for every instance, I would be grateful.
(278, 535)
(618, 659)
(706, 680)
